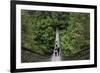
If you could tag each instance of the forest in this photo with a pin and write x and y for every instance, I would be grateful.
(38, 34)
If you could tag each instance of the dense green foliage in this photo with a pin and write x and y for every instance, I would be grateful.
(77, 35)
(38, 32)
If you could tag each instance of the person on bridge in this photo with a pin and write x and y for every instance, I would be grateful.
(56, 50)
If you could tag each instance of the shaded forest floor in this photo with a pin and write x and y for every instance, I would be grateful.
(29, 56)
(81, 55)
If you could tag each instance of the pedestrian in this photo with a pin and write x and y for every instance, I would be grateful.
(55, 52)
(58, 50)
